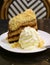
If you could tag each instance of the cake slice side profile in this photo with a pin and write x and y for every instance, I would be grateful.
(19, 22)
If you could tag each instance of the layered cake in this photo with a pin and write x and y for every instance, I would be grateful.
(19, 22)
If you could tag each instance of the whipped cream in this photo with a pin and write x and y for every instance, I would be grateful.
(29, 38)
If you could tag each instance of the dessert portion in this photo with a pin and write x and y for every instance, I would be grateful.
(19, 22)
(29, 38)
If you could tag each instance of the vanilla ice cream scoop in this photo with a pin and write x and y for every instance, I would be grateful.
(29, 37)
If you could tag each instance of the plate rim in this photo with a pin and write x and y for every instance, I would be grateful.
(25, 51)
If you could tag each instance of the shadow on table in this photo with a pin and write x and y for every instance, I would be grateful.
(32, 58)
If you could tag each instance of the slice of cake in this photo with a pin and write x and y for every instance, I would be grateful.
(17, 23)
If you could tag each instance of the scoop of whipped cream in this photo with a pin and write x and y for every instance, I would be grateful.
(29, 38)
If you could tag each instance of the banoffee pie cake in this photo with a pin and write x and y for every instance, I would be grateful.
(19, 22)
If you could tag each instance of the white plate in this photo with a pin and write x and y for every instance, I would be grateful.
(4, 43)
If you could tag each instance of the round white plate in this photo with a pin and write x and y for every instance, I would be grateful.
(4, 43)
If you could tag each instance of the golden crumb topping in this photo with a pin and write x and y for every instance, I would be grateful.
(16, 21)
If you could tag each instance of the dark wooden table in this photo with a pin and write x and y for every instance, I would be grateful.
(40, 58)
